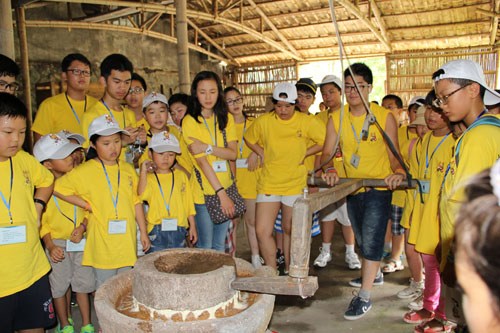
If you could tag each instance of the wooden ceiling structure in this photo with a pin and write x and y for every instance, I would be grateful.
(246, 32)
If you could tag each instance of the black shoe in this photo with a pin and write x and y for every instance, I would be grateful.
(280, 263)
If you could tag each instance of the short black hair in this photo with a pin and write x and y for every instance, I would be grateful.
(12, 107)
(360, 69)
(137, 77)
(179, 98)
(8, 67)
(116, 62)
(67, 60)
(395, 98)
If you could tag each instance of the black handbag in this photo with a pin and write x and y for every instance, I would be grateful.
(212, 201)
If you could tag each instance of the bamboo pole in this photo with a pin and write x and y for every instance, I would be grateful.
(182, 46)
(23, 43)
(6, 30)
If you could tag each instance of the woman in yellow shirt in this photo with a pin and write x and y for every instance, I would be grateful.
(211, 137)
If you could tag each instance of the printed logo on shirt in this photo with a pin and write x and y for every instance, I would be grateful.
(299, 133)
(130, 182)
(27, 179)
(183, 187)
(440, 167)
(373, 137)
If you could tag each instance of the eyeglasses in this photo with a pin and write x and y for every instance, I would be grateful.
(235, 101)
(135, 90)
(13, 87)
(349, 88)
(78, 71)
(444, 100)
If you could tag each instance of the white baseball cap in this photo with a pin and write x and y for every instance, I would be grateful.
(163, 142)
(68, 135)
(416, 100)
(469, 70)
(420, 117)
(154, 97)
(105, 125)
(53, 147)
(285, 88)
(332, 79)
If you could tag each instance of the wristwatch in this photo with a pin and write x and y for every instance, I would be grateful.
(209, 150)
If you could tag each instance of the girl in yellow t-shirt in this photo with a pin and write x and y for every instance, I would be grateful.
(247, 167)
(207, 128)
(111, 199)
(281, 139)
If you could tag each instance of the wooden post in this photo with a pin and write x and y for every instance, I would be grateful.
(6, 30)
(182, 46)
(300, 247)
(23, 43)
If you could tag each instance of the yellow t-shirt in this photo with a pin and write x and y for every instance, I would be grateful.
(123, 118)
(88, 180)
(338, 159)
(323, 116)
(56, 114)
(179, 199)
(55, 223)
(413, 164)
(372, 152)
(245, 180)
(424, 230)
(144, 123)
(480, 149)
(204, 132)
(285, 143)
(22, 263)
(405, 137)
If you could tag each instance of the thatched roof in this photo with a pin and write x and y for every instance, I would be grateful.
(260, 31)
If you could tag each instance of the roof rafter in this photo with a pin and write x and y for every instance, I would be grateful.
(380, 21)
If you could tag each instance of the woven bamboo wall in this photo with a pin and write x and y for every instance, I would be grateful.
(257, 82)
(409, 74)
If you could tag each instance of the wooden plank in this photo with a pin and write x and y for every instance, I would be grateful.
(278, 285)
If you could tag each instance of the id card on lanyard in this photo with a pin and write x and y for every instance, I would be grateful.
(115, 226)
(71, 246)
(168, 223)
(9, 233)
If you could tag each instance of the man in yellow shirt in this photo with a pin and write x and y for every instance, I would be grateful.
(9, 70)
(25, 299)
(65, 111)
(363, 146)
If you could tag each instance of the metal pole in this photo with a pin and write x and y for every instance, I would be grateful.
(182, 46)
(6, 30)
(23, 43)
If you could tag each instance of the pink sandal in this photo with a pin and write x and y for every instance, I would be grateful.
(415, 317)
(434, 326)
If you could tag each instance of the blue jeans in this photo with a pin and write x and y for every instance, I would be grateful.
(210, 235)
(369, 212)
(162, 240)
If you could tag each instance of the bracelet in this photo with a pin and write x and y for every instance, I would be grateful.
(41, 202)
(219, 189)
(330, 170)
(84, 227)
(401, 171)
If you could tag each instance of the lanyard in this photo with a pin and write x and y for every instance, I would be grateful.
(113, 198)
(214, 142)
(167, 205)
(5, 202)
(427, 159)
(242, 140)
(66, 216)
(356, 137)
(111, 113)
(72, 109)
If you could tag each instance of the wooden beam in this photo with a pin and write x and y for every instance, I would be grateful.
(118, 28)
(356, 12)
(272, 26)
(231, 6)
(380, 20)
(210, 40)
(488, 13)
(132, 21)
(149, 24)
(215, 7)
(494, 23)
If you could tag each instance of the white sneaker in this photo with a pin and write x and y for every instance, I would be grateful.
(415, 289)
(324, 258)
(256, 261)
(417, 304)
(351, 258)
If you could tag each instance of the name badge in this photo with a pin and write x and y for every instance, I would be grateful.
(355, 160)
(426, 186)
(169, 224)
(241, 163)
(219, 166)
(75, 247)
(117, 227)
(12, 234)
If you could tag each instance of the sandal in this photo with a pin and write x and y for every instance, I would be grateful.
(393, 266)
(418, 317)
(435, 326)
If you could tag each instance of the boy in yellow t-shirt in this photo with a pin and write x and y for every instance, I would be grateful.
(167, 190)
(111, 198)
(25, 299)
(65, 111)
(63, 227)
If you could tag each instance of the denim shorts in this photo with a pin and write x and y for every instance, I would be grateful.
(369, 212)
(162, 240)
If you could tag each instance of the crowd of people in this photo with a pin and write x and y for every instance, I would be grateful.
(135, 172)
